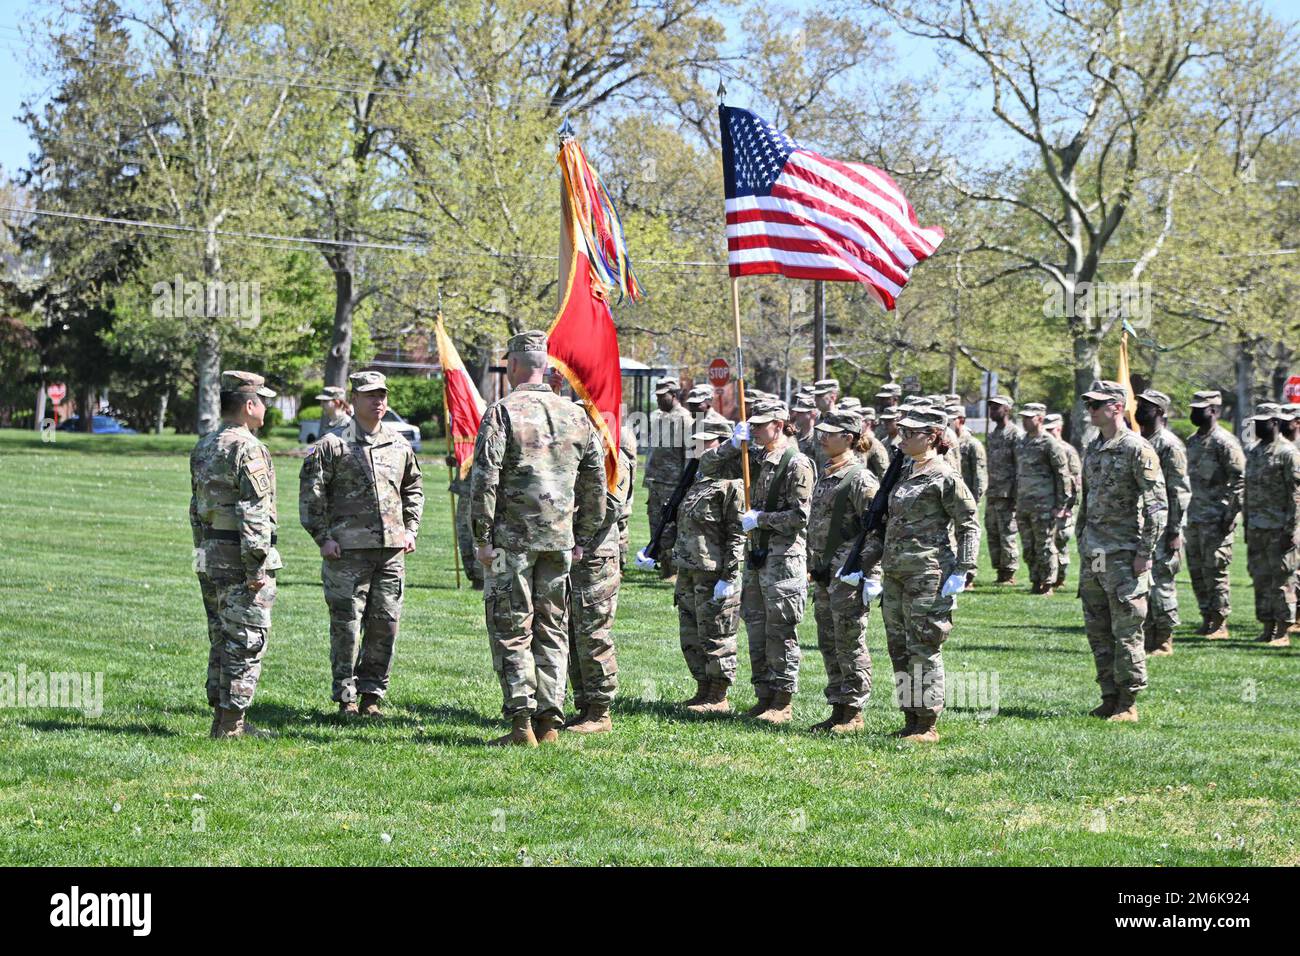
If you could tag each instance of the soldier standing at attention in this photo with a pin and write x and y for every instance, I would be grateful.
(464, 537)
(537, 499)
(886, 400)
(826, 392)
(839, 502)
(360, 496)
(1216, 467)
(1272, 509)
(1121, 520)
(871, 451)
(232, 516)
(1000, 510)
(334, 411)
(710, 553)
(1043, 494)
(593, 602)
(1065, 528)
(627, 448)
(665, 462)
(974, 461)
(699, 400)
(1162, 615)
(803, 416)
(887, 431)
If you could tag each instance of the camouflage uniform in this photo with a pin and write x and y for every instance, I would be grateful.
(1000, 507)
(365, 492)
(233, 520)
(876, 457)
(537, 488)
(1065, 527)
(1162, 615)
(1272, 512)
(627, 446)
(1216, 467)
(1121, 516)
(665, 462)
(1042, 489)
(464, 536)
(974, 464)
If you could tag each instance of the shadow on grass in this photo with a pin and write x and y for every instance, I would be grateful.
(963, 647)
(138, 730)
(670, 710)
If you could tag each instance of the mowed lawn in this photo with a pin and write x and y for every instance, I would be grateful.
(95, 576)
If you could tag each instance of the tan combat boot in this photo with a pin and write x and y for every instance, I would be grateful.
(779, 710)
(1216, 627)
(701, 692)
(924, 732)
(909, 725)
(1281, 635)
(521, 733)
(231, 723)
(824, 726)
(764, 701)
(1162, 643)
(1269, 632)
(1006, 577)
(1204, 627)
(1126, 711)
(578, 717)
(596, 722)
(547, 729)
(369, 705)
(348, 708)
(850, 721)
(1107, 707)
(715, 701)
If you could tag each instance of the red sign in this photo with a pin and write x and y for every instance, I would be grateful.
(1291, 390)
(719, 373)
(57, 392)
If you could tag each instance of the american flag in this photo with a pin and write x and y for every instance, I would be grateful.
(796, 213)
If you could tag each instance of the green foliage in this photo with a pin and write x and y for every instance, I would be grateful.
(418, 400)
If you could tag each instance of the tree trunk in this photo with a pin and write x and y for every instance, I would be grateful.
(1087, 369)
(340, 354)
(86, 401)
(1246, 345)
(162, 410)
(207, 360)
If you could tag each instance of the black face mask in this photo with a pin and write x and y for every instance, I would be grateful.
(1146, 415)
(1201, 417)
(1266, 431)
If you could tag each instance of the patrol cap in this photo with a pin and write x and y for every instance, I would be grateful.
(850, 402)
(840, 419)
(767, 410)
(700, 393)
(953, 398)
(530, 340)
(924, 418)
(1106, 391)
(712, 426)
(955, 411)
(885, 394)
(1159, 399)
(368, 381)
(891, 388)
(803, 403)
(890, 415)
(1267, 410)
(1292, 410)
(1052, 420)
(668, 384)
(331, 393)
(868, 413)
(1033, 408)
(1006, 400)
(1207, 399)
(248, 383)
(824, 385)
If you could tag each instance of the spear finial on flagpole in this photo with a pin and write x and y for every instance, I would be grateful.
(722, 90)
(565, 132)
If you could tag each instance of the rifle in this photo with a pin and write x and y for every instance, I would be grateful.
(669, 513)
(877, 514)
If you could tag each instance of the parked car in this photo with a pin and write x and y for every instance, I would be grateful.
(99, 425)
(309, 430)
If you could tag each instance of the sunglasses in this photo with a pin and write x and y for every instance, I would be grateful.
(1093, 404)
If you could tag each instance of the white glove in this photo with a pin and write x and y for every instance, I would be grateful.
(644, 563)
(872, 589)
(749, 520)
(853, 579)
(723, 589)
(955, 584)
(739, 433)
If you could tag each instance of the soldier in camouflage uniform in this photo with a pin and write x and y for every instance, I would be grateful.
(887, 399)
(1065, 528)
(1043, 493)
(887, 431)
(464, 536)
(360, 496)
(709, 552)
(665, 462)
(699, 401)
(1121, 520)
(1272, 510)
(1216, 467)
(1000, 505)
(974, 461)
(871, 451)
(627, 448)
(775, 592)
(839, 503)
(334, 411)
(928, 554)
(233, 520)
(537, 501)
(826, 392)
(1162, 614)
(593, 602)
(803, 416)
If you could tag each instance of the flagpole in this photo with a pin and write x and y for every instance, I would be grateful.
(453, 469)
(740, 381)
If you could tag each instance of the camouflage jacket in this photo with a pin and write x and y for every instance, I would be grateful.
(1043, 482)
(363, 491)
(953, 455)
(787, 523)
(1173, 466)
(538, 482)
(974, 464)
(709, 535)
(810, 447)
(876, 457)
(670, 438)
(1076, 473)
(1004, 444)
(863, 486)
(930, 510)
(1272, 486)
(608, 535)
(1216, 468)
(232, 493)
(1122, 506)
(627, 449)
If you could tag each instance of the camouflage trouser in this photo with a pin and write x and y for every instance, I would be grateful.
(772, 602)
(1114, 609)
(1000, 524)
(1272, 566)
(239, 624)
(707, 627)
(657, 495)
(465, 540)
(918, 620)
(363, 590)
(842, 638)
(1038, 531)
(1209, 554)
(526, 600)
(593, 596)
(1063, 533)
(1162, 605)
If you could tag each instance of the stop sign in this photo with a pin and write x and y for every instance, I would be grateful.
(1291, 390)
(719, 373)
(57, 392)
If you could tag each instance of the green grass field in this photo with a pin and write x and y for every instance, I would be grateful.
(95, 577)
